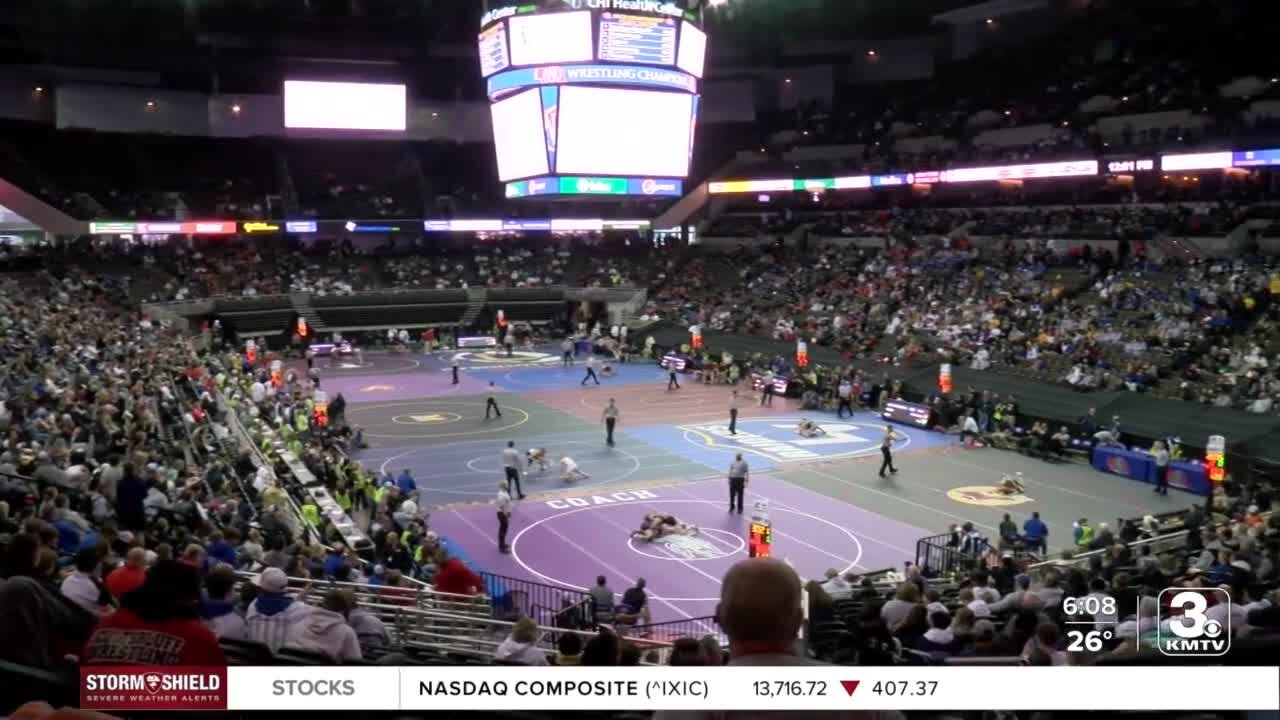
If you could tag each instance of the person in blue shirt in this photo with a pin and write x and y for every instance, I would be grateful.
(68, 536)
(220, 551)
(408, 486)
(334, 562)
(1036, 533)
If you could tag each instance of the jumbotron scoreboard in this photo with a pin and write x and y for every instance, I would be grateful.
(593, 97)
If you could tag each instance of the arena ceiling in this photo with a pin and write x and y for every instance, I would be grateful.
(61, 30)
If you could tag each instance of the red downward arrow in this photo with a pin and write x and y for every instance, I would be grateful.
(849, 686)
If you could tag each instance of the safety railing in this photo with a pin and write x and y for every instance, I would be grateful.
(447, 623)
(296, 519)
(516, 597)
(386, 598)
(936, 557)
(668, 632)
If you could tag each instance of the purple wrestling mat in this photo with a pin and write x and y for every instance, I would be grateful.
(568, 541)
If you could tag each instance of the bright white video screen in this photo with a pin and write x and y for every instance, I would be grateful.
(518, 136)
(693, 50)
(344, 106)
(623, 132)
(551, 38)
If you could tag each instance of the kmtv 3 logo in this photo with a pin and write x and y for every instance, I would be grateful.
(1194, 627)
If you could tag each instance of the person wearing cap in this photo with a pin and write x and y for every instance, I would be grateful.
(274, 611)
(157, 624)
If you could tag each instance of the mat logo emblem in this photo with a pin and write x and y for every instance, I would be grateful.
(377, 388)
(689, 547)
(498, 358)
(776, 439)
(985, 496)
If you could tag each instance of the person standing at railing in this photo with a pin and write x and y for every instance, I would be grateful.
(503, 503)
(455, 578)
(1036, 534)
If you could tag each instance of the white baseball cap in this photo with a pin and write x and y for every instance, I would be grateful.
(272, 580)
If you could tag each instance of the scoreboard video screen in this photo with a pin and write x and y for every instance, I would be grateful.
(638, 39)
(494, 55)
(550, 38)
(608, 97)
(593, 119)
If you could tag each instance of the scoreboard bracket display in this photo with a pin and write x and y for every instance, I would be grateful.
(593, 97)
(907, 413)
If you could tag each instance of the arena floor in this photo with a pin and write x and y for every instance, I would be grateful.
(828, 507)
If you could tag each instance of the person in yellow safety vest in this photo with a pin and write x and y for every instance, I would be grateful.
(342, 497)
(311, 513)
(1083, 533)
(274, 496)
(1173, 445)
(380, 494)
(364, 489)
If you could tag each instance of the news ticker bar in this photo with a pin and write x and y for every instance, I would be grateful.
(1077, 168)
(1182, 688)
(305, 227)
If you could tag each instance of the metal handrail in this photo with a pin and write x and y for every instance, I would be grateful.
(299, 520)
(450, 626)
(1159, 544)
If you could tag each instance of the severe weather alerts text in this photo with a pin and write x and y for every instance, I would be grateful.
(153, 688)
(649, 690)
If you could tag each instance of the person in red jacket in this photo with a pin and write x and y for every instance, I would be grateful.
(456, 578)
(157, 624)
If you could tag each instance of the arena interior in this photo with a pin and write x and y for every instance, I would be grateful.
(437, 333)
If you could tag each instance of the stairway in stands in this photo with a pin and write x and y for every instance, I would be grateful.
(302, 304)
(475, 303)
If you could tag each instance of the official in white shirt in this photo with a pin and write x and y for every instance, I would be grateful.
(503, 503)
(591, 370)
(844, 392)
(511, 465)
